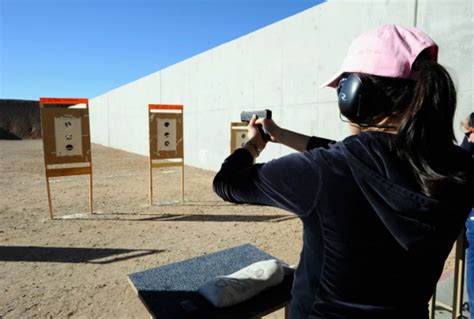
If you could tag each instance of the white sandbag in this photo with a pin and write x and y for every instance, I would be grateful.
(224, 291)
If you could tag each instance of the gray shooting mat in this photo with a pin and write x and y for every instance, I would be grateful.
(171, 291)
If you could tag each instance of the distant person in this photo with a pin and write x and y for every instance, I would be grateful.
(468, 144)
(380, 209)
(468, 128)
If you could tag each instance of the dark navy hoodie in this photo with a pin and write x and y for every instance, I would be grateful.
(373, 245)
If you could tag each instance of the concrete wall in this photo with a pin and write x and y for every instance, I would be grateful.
(279, 67)
(451, 24)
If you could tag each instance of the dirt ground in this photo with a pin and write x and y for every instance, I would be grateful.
(77, 264)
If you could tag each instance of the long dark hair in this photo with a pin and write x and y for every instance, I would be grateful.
(426, 110)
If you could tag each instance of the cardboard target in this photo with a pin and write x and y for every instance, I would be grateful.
(166, 140)
(241, 138)
(238, 135)
(166, 135)
(66, 140)
(66, 137)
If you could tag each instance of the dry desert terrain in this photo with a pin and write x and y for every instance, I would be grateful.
(77, 264)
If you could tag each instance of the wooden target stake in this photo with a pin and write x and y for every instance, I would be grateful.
(458, 283)
(66, 141)
(458, 286)
(165, 140)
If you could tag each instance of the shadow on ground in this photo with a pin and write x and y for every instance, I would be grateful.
(186, 217)
(70, 254)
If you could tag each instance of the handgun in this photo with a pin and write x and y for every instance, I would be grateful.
(246, 116)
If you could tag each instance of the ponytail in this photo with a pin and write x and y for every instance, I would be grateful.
(426, 129)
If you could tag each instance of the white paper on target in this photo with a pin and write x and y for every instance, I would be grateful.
(166, 135)
(68, 135)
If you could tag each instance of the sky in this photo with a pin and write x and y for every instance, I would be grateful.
(84, 48)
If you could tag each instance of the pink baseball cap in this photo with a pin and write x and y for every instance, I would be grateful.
(388, 51)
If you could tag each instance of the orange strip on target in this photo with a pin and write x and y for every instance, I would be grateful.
(55, 100)
(164, 107)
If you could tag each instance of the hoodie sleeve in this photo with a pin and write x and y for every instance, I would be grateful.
(315, 142)
(288, 182)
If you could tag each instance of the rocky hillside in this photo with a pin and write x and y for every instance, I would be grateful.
(19, 119)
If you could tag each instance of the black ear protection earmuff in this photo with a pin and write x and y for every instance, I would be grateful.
(360, 99)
